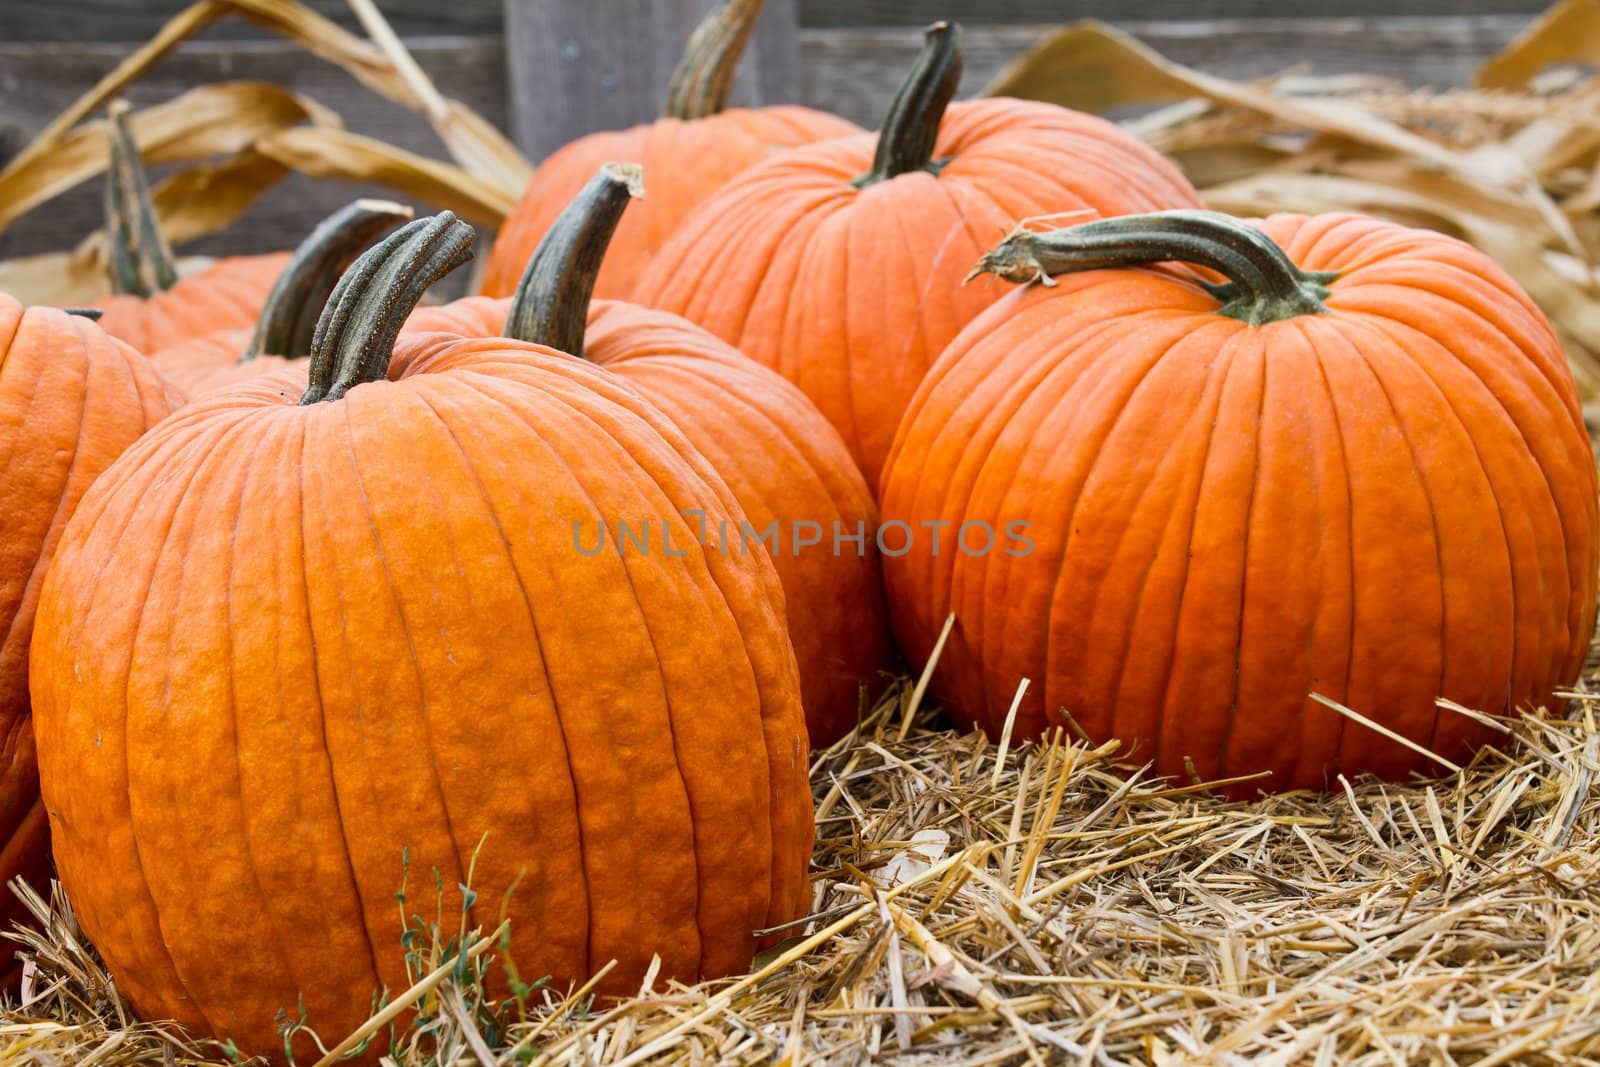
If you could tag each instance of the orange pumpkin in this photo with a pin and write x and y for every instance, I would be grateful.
(696, 147)
(283, 331)
(149, 305)
(840, 265)
(353, 605)
(71, 399)
(1357, 468)
(786, 466)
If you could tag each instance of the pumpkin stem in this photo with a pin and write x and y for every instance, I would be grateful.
(355, 335)
(1264, 285)
(911, 129)
(704, 78)
(141, 261)
(551, 305)
(289, 317)
(92, 314)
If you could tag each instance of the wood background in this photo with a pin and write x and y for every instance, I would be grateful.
(548, 70)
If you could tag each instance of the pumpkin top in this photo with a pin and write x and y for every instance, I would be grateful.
(355, 334)
(141, 262)
(289, 317)
(704, 79)
(551, 305)
(1264, 284)
(911, 128)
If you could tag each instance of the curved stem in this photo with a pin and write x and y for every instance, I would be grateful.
(704, 78)
(1264, 283)
(551, 305)
(355, 336)
(289, 317)
(141, 261)
(911, 129)
(92, 314)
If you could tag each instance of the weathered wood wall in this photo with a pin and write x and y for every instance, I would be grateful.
(841, 55)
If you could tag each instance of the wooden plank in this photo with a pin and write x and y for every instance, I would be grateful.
(138, 20)
(40, 81)
(854, 72)
(820, 14)
(583, 65)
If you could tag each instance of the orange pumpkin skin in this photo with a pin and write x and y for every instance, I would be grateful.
(687, 160)
(784, 464)
(851, 293)
(1388, 502)
(224, 296)
(210, 362)
(382, 647)
(71, 399)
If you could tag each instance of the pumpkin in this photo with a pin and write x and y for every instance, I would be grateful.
(149, 305)
(695, 148)
(839, 265)
(784, 463)
(71, 399)
(1355, 468)
(353, 608)
(283, 331)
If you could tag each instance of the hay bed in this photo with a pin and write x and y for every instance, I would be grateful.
(1057, 907)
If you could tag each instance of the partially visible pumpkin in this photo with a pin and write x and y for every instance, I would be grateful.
(283, 331)
(695, 148)
(321, 618)
(149, 305)
(839, 265)
(71, 399)
(786, 466)
(1357, 468)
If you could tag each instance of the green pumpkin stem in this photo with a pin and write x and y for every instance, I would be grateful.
(141, 261)
(551, 305)
(288, 319)
(92, 314)
(911, 129)
(704, 78)
(1264, 285)
(355, 335)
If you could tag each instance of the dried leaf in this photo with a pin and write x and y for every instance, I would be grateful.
(209, 121)
(471, 140)
(323, 152)
(1569, 32)
(206, 199)
(1090, 66)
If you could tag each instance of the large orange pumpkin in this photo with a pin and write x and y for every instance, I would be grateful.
(71, 399)
(788, 468)
(149, 305)
(1356, 468)
(318, 619)
(840, 265)
(694, 149)
(283, 331)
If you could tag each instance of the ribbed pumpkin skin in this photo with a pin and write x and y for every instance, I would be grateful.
(685, 161)
(281, 643)
(1383, 504)
(851, 293)
(71, 399)
(782, 461)
(210, 362)
(224, 296)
